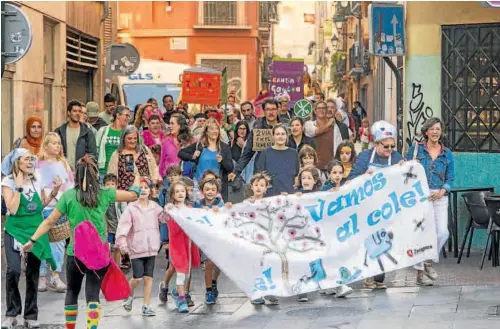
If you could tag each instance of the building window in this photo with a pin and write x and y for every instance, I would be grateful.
(234, 74)
(48, 46)
(470, 87)
(220, 13)
(7, 110)
(47, 103)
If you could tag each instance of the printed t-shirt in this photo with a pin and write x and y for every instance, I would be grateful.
(111, 144)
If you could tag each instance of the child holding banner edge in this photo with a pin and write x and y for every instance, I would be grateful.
(184, 254)
(438, 163)
(382, 155)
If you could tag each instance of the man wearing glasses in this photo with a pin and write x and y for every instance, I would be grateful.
(261, 126)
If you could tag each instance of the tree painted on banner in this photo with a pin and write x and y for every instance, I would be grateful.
(280, 227)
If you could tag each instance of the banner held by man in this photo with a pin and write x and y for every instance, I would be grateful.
(288, 245)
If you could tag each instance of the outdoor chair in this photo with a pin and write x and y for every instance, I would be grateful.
(493, 204)
(479, 217)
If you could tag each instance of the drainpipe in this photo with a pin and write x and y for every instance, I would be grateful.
(105, 14)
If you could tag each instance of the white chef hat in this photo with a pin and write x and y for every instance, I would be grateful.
(382, 130)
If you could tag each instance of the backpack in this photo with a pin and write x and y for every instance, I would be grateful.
(89, 248)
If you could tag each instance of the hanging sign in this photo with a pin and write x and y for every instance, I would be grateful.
(287, 79)
(201, 86)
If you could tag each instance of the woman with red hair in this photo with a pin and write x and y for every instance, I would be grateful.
(32, 141)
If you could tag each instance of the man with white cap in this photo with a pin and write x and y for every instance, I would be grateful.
(383, 154)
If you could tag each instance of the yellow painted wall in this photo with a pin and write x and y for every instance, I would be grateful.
(424, 20)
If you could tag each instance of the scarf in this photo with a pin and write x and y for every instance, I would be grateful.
(149, 140)
(35, 143)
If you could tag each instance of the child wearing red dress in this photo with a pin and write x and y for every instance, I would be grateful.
(184, 254)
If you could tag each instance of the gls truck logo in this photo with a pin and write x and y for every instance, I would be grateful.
(142, 76)
(413, 252)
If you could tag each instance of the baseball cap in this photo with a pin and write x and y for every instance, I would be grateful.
(92, 109)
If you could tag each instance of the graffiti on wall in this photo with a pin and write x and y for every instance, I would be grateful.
(418, 113)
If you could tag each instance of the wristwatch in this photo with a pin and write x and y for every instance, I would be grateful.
(19, 189)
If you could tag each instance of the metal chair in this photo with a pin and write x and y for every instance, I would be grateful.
(479, 217)
(493, 204)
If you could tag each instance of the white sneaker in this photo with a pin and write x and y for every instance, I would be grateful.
(424, 281)
(328, 292)
(127, 305)
(57, 284)
(302, 298)
(42, 284)
(9, 323)
(343, 291)
(430, 272)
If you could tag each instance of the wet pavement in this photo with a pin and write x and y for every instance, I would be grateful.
(463, 298)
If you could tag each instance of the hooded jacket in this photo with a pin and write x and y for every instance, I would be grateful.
(139, 230)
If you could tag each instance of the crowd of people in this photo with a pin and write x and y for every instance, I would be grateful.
(123, 171)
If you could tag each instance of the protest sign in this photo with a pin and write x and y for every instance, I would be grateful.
(262, 139)
(201, 86)
(288, 245)
(287, 79)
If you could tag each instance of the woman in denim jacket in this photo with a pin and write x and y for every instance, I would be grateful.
(438, 163)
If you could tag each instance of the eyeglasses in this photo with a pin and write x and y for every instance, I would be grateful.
(392, 146)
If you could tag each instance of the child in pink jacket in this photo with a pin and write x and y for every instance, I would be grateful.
(138, 234)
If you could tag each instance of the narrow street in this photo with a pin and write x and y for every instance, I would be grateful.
(463, 298)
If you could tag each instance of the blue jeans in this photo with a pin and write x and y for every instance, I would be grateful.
(57, 249)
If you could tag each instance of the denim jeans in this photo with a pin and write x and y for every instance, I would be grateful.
(57, 249)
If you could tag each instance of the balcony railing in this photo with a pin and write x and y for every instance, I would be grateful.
(220, 13)
(267, 13)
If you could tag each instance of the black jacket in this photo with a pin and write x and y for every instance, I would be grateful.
(99, 123)
(344, 130)
(85, 144)
(186, 154)
(247, 152)
(305, 141)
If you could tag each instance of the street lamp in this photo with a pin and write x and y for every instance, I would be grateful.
(335, 41)
(344, 4)
(327, 52)
(338, 25)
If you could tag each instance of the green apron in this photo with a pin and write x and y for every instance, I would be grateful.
(25, 222)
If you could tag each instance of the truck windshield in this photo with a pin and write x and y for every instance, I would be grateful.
(139, 93)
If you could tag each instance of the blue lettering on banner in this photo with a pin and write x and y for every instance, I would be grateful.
(203, 220)
(264, 283)
(386, 211)
(376, 183)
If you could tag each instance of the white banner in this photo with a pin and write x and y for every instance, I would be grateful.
(288, 245)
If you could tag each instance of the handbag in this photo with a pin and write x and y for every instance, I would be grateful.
(115, 285)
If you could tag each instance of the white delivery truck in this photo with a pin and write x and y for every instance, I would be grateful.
(151, 79)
